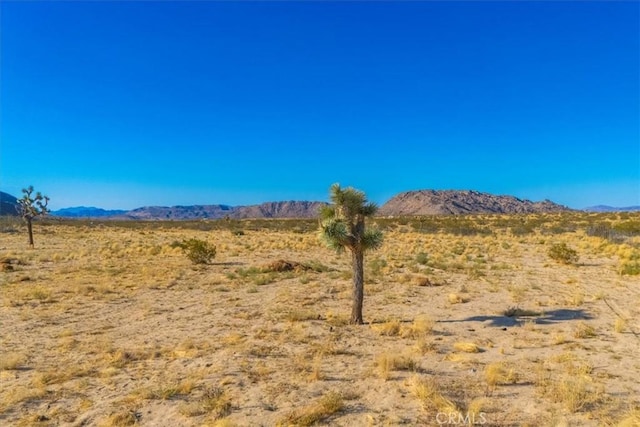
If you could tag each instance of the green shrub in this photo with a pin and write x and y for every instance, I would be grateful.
(631, 228)
(198, 251)
(629, 268)
(562, 253)
(422, 258)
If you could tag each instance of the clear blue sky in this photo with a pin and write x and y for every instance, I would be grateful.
(126, 104)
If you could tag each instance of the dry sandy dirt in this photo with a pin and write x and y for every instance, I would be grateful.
(111, 325)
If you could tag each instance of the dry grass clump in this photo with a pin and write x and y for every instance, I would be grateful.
(457, 299)
(421, 326)
(584, 330)
(386, 362)
(431, 397)
(119, 358)
(630, 419)
(574, 393)
(123, 417)
(427, 281)
(214, 401)
(388, 328)
(499, 373)
(166, 390)
(329, 404)
(620, 325)
(300, 315)
(467, 347)
(12, 361)
(570, 383)
(21, 394)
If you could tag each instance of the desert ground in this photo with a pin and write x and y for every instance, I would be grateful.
(468, 321)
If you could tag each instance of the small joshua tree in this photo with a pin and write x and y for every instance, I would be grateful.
(32, 207)
(343, 226)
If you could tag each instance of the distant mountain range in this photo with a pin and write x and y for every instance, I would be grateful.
(410, 203)
(290, 209)
(605, 208)
(87, 212)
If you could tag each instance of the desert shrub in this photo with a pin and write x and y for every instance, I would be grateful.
(562, 253)
(376, 266)
(422, 258)
(630, 228)
(198, 251)
(629, 268)
(9, 224)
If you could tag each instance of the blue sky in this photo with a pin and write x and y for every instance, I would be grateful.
(127, 104)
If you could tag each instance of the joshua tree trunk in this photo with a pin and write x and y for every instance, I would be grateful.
(30, 229)
(358, 286)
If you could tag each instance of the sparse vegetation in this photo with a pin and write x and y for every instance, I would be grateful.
(198, 251)
(560, 252)
(263, 337)
(328, 405)
(31, 208)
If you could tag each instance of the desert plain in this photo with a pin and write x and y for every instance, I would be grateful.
(468, 321)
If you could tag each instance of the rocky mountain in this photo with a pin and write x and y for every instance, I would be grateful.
(447, 202)
(86, 212)
(605, 208)
(289, 209)
(8, 204)
(180, 212)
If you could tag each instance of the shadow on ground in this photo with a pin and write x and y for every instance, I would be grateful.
(545, 318)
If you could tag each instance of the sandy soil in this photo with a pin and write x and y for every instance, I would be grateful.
(104, 325)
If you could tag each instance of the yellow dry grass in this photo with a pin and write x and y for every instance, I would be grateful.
(110, 324)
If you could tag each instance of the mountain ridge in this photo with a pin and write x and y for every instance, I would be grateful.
(408, 203)
(87, 212)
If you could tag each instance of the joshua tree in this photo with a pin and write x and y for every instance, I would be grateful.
(342, 226)
(32, 207)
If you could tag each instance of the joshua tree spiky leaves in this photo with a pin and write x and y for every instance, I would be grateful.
(342, 226)
(31, 207)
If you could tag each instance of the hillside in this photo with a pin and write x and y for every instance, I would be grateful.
(180, 212)
(8, 204)
(288, 209)
(605, 208)
(86, 212)
(448, 202)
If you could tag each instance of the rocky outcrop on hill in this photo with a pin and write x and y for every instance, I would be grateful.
(448, 202)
